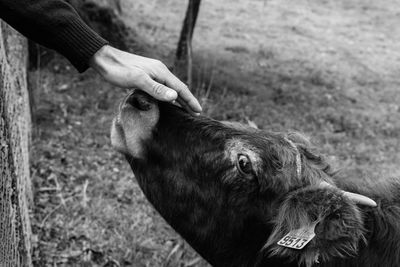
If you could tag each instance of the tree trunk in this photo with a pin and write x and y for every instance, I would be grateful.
(15, 187)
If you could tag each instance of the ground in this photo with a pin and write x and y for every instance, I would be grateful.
(326, 68)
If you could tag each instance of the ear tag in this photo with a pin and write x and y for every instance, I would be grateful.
(298, 238)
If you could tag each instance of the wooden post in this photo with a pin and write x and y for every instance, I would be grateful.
(187, 29)
(15, 187)
(183, 58)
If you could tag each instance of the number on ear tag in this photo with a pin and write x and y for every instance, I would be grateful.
(299, 238)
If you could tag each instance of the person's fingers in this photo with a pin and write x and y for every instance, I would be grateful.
(157, 90)
(183, 91)
(186, 106)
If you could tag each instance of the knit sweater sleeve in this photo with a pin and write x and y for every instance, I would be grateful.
(56, 25)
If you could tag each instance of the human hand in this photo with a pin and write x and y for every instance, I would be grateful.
(128, 70)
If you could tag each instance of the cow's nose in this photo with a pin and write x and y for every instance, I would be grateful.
(140, 100)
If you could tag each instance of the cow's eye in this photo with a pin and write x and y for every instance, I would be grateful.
(244, 164)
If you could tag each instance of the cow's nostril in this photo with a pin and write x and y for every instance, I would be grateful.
(139, 101)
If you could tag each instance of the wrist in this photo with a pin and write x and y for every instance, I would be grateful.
(99, 60)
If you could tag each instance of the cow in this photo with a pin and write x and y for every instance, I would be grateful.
(241, 196)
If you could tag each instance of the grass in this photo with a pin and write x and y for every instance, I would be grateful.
(326, 68)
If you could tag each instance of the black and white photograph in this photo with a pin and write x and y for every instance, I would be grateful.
(199, 133)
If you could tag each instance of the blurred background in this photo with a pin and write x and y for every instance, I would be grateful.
(328, 68)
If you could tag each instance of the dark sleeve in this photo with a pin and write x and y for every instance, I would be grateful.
(56, 25)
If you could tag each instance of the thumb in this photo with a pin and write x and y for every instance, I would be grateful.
(158, 90)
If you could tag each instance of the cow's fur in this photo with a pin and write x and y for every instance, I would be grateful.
(233, 219)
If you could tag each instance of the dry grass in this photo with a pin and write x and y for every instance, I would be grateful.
(328, 68)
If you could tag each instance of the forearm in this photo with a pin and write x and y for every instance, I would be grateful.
(56, 25)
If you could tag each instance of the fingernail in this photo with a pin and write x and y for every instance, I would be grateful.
(199, 108)
(171, 94)
(196, 114)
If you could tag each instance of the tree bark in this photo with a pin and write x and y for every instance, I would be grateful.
(15, 187)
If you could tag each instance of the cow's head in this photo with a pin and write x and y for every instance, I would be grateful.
(232, 190)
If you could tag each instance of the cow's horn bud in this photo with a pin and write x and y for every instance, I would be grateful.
(356, 198)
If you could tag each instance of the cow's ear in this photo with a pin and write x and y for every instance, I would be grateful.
(333, 217)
